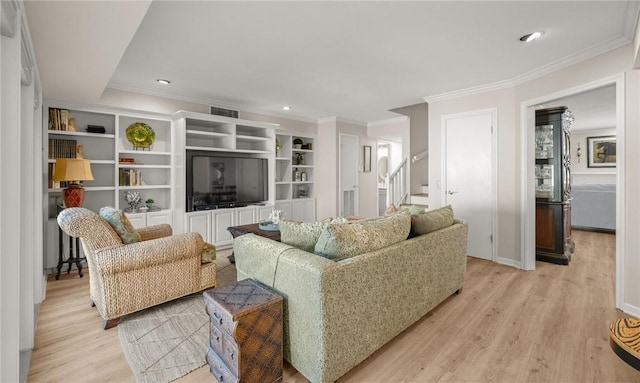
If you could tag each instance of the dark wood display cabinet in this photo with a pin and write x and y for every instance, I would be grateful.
(553, 185)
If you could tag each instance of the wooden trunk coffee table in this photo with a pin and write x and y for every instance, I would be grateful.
(253, 228)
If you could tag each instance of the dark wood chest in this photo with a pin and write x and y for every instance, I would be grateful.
(246, 333)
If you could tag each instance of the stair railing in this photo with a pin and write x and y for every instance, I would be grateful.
(419, 156)
(397, 189)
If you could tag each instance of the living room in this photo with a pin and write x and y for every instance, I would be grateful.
(514, 99)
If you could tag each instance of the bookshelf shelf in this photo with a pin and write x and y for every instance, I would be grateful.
(104, 150)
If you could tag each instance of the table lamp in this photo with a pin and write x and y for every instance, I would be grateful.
(74, 171)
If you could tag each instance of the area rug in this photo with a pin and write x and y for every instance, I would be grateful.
(168, 341)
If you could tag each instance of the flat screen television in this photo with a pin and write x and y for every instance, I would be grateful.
(218, 180)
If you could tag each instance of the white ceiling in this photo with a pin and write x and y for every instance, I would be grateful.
(354, 60)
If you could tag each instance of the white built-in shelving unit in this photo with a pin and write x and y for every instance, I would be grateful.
(295, 196)
(218, 134)
(104, 150)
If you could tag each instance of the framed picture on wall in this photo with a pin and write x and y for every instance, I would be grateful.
(601, 152)
(367, 158)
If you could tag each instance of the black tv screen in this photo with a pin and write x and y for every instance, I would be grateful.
(219, 181)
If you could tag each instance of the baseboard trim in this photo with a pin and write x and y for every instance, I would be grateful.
(631, 309)
(509, 262)
(594, 229)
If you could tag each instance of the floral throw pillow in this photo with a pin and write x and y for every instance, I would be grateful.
(432, 220)
(121, 224)
(301, 235)
(341, 241)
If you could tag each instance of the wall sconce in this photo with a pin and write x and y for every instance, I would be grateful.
(578, 152)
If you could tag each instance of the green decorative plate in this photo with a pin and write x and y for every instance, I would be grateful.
(140, 135)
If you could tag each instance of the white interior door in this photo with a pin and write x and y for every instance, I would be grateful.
(348, 163)
(469, 177)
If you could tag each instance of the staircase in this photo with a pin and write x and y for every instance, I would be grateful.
(397, 190)
(421, 198)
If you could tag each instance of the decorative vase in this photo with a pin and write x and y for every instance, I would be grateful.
(277, 147)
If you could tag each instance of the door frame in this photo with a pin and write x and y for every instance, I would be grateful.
(527, 161)
(494, 173)
(340, 198)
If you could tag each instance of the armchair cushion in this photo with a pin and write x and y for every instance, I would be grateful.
(121, 224)
(208, 254)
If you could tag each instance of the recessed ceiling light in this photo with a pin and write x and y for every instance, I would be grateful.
(163, 82)
(531, 36)
(286, 107)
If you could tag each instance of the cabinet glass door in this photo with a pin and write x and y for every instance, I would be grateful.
(544, 142)
(544, 181)
(548, 162)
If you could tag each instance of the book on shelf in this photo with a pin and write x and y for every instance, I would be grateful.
(59, 119)
(61, 148)
(55, 184)
(130, 177)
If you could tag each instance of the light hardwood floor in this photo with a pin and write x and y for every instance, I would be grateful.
(507, 325)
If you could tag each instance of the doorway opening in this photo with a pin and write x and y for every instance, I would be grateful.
(527, 115)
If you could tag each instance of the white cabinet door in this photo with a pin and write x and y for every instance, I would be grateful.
(158, 217)
(200, 222)
(297, 209)
(264, 212)
(138, 220)
(245, 215)
(285, 209)
(310, 210)
(222, 219)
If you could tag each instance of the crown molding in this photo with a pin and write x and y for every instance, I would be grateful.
(207, 101)
(342, 120)
(10, 9)
(633, 11)
(469, 91)
(326, 120)
(580, 56)
(388, 121)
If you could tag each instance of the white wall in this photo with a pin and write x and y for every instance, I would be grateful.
(9, 206)
(327, 170)
(20, 198)
(510, 174)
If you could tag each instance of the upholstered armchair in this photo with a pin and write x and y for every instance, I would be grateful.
(125, 278)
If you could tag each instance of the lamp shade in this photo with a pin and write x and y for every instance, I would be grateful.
(72, 169)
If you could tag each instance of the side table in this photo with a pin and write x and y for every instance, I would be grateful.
(74, 254)
(246, 333)
(253, 228)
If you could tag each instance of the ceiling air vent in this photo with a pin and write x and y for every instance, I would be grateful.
(223, 112)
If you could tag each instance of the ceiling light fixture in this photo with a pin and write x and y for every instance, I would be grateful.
(531, 36)
(163, 82)
(286, 107)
